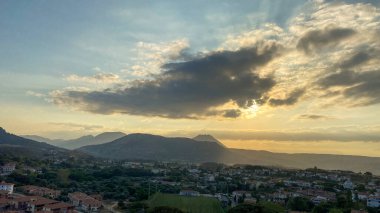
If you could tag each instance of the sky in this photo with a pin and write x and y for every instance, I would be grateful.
(289, 76)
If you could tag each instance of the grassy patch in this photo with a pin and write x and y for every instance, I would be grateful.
(186, 204)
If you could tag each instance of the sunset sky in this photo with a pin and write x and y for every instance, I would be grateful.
(284, 76)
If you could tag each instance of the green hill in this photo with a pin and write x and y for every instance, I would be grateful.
(186, 204)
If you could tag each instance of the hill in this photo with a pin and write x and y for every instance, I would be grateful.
(154, 147)
(307, 160)
(208, 138)
(14, 145)
(79, 142)
(43, 139)
(186, 204)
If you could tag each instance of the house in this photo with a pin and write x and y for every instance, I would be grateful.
(39, 203)
(8, 168)
(373, 201)
(238, 196)
(211, 178)
(348, 184)
(319, 199)
(7, 187)
(189, 193)
(59, 208)
(91, 205)
(84, 202)
(362, 195)
(4, 204)
(41, 191)
(223, 199)
(239, 193)
(250, 200)
(21, 203)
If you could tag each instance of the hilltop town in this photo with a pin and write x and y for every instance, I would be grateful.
(96, 185)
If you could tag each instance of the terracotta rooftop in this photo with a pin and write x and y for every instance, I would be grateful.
(43, 201)
(59, 205)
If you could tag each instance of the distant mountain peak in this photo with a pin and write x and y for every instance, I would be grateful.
(85, 137)
(111, 134)
(85, 140)
(2, 131)
(208, 138)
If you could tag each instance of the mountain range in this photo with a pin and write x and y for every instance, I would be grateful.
(79, 142)
(154, 147)
(11, 144)
(203, 148)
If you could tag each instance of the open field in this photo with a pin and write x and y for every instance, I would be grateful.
(186, 204)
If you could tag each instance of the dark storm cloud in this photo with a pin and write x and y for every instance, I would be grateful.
(319, 38)
(187, 89)
(363, 88)
(290, 100)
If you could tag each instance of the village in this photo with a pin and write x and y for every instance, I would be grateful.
(229, 185)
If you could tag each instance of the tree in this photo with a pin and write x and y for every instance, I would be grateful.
(334, 210)
(245, 208)
(322, 208)
(121, 204)
(300, 204)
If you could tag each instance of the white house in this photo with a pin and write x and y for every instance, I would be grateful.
(318, 199)
(189, 193)
(6, 187)
(348, 184)
(373, 202)
(8, 168)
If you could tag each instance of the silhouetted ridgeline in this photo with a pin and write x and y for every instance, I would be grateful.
(154, 147)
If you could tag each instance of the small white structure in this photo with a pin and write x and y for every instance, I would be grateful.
(348, 184)
(6, 187)
(189, 193)
(211, 178)
(318, 199)
(373, 201)
(8, 168)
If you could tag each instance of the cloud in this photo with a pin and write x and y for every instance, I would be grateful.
(97, 78)
(299, 135)
(291, 99)
(76, 126)
(189, 89)
(256, 66)
(316, 39)
(355, 60)
(151, 56)
(232, 113)
(314, 117)
(35, 94)
(360, 88)
(354, 80)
